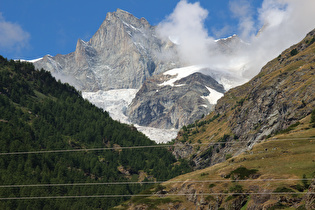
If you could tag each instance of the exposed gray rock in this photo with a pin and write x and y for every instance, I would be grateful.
(279, 96)
(309, 198)
(123, 53)
(168, 106)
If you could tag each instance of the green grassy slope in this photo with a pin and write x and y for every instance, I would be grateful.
(276, 165)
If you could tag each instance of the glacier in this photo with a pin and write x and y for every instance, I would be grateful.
(116, 101)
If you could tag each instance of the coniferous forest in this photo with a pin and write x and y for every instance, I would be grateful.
(38, 113)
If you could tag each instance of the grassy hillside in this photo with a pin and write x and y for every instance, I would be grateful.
(38, 113)
(279, 170)
(277, 98)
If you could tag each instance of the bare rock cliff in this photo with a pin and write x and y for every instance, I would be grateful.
(122, 54)
(278, 97)
(168, 106)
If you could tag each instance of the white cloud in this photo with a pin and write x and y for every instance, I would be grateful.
(286, 22)
(283, 23)
(222, 31)
(242, 10)
(185, 27)
(12, 36)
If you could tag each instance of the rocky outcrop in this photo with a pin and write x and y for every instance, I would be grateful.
(123, 53)
(278, 97)
(173, 106)
(309, 198)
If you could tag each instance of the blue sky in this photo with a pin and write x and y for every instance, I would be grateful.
(33, 28)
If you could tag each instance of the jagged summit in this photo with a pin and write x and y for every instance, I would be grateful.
(123, 53)
(116, 27)
(122, 12)
(126, 16)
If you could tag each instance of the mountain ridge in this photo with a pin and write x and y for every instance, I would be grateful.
(126, 53)
(280, 95)
(122, 53)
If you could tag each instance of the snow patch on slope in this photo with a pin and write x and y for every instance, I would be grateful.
(213, 97)
(180, 73)
(227, 38)
(158, 135)
(224, 77)
(31, 61)
(221, 76)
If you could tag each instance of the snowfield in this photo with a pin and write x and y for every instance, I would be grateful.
(116, 102)
(180, 73)
(224, 77)
(31, 61)
(213, 97)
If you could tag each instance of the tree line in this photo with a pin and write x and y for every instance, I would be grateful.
(39, 113)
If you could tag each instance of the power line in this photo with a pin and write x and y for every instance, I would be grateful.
(152, 182)
(306, 138)
(149, 195)
(138, 147)
(82, 150)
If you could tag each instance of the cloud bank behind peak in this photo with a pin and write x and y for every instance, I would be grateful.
(281, 23)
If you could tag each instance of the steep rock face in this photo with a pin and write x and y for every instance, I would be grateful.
(167, 106)
(122, 54)
(280, 95)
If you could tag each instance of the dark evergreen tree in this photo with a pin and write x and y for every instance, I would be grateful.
(39, 113)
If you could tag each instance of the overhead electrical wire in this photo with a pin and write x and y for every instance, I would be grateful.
(150, 182)
(149, 195)
(137, 147)
(153, 182)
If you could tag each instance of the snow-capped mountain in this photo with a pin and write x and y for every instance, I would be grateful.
(127, 70)
(168, 101)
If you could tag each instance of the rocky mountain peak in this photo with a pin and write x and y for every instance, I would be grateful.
(123, 53)
(119, 24)
(230, 44)
(121, 12)
(129, 18)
